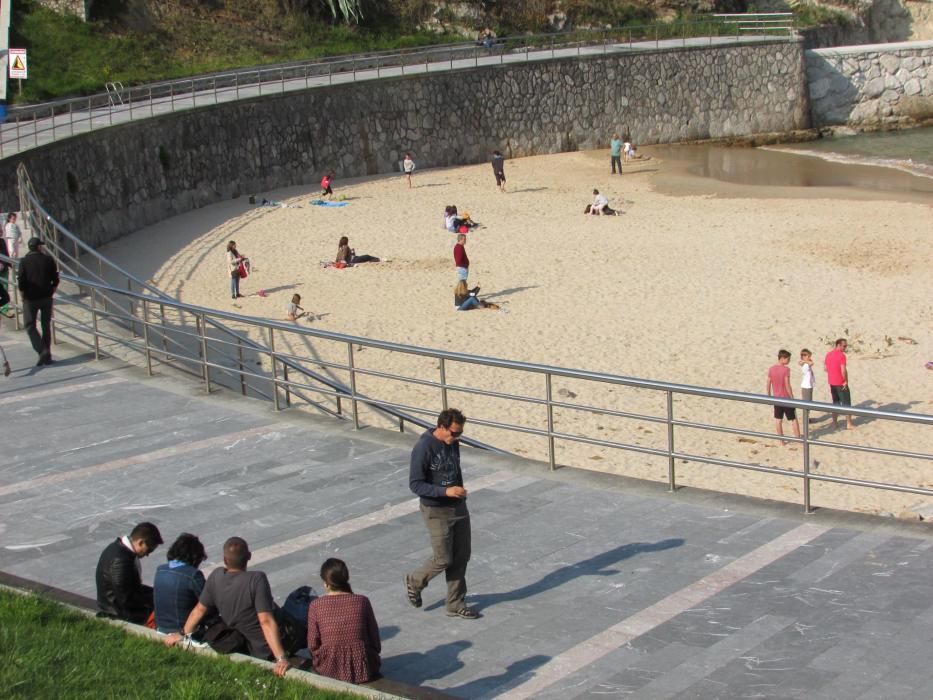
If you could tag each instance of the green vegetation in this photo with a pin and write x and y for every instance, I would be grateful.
(71, 57)
(49, 651)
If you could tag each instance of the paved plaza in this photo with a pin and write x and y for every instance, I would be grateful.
(589, 586)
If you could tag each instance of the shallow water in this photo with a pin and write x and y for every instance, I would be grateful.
(896, 165)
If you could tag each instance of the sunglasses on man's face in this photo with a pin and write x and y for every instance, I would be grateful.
(455, 433)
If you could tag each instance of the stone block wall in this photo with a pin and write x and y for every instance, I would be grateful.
(871, 86)
(81, 8)
(108, 183)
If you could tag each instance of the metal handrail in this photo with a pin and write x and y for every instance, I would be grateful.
(66, 117)
(551, 434)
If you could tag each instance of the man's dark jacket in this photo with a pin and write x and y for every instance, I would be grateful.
(38, 276)
(120, 591)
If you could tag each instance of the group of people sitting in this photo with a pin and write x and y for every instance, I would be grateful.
(600, 206)
(456, 222)
(233, 609)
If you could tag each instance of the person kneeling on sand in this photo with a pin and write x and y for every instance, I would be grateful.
(466, 299)
(600, 206)
(294, 311)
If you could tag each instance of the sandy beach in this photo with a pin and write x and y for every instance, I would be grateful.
(699, 282)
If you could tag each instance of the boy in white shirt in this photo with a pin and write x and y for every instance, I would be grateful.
(806, 376)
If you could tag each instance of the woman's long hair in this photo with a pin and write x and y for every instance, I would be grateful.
(461, 289)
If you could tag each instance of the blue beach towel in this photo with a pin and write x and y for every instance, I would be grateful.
(322, 203)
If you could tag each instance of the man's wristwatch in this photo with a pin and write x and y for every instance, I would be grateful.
(281, 658)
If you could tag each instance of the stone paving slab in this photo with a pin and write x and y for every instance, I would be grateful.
(588, 584)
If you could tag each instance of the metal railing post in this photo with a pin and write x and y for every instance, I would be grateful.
(275, 377)
(205, 370)
(236, 85)
(52, 115)
(171, 95)
(350, 365)
(239, 347)
(288, 392)
(551, 456)
(806, 461)
(146, 337)
(151, 103)
(671, 478)
(164, 334)
(443, 384)
(95, 324)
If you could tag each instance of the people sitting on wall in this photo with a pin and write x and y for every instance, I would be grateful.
(178, 583)
(343, 637)
(243, 599)
(120, 590)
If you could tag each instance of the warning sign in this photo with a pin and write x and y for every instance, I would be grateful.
(18, 64)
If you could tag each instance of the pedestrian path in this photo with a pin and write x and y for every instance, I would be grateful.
(588, 584)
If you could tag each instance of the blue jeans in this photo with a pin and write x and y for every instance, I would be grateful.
(469, 303)
(235, 285)
(462, 273)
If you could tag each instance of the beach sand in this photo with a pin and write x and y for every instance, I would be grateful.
(699, 282)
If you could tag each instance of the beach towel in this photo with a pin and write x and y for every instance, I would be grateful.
(322, 203)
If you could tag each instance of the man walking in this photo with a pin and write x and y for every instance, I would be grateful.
(436, 478)
(38, 280)
(778, 385)
(838, 375)
(498, 169)
(461, 259)
(244, 601)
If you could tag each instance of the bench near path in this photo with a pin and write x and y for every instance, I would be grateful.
(588, 584)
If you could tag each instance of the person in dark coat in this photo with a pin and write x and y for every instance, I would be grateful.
(38, 280)
(120, 590)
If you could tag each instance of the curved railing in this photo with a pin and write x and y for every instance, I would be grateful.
(34, 125)
(304, 366)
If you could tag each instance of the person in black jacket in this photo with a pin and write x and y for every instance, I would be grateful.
(120, 590)
(435, 477)
(4, 267)
(38, 280)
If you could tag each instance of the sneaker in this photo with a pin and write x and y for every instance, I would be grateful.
(414, 595)
(464, 612)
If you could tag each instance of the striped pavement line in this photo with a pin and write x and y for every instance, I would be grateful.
(144, 458)
(27, 395)
(607, 641)
(348, 527)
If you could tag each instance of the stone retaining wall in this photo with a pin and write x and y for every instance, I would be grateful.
(111, 182)
(871, 86)
(81, 8)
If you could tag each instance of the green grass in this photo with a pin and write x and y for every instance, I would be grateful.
(70, 57)
(47, 650)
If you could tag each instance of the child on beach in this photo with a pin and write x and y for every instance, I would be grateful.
(778, 386)
(294, 311)
(806, 375)
(326, 189)
(408, 167)
(498, 169)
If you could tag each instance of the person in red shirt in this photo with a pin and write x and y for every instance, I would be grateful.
(461, 260)
(779, 386)
(326, 189)
(838, 376)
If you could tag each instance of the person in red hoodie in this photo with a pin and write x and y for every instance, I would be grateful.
(461, 260)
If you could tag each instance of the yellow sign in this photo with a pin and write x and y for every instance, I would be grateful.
(19, 68)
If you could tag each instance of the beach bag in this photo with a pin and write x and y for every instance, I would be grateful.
(225, 640)
(292, 619)
(243, 269)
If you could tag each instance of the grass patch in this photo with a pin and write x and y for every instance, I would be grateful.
(48, 650)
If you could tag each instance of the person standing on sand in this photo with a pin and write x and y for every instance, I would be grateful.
(778, 386)
(806, 375)
(326, 189)
(498, 169)
(461, 259)
(838, 375)
(615, 153)
(408, 167)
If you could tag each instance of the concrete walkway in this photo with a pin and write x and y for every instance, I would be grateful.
(589, 585)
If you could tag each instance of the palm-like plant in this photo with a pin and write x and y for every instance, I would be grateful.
(351, 10)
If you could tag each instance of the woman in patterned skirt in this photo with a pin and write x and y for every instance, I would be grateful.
(343, 636)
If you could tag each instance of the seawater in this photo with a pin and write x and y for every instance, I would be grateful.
(910, 150)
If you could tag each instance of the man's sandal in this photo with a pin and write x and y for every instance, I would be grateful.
(414, 596)
(464, 612)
